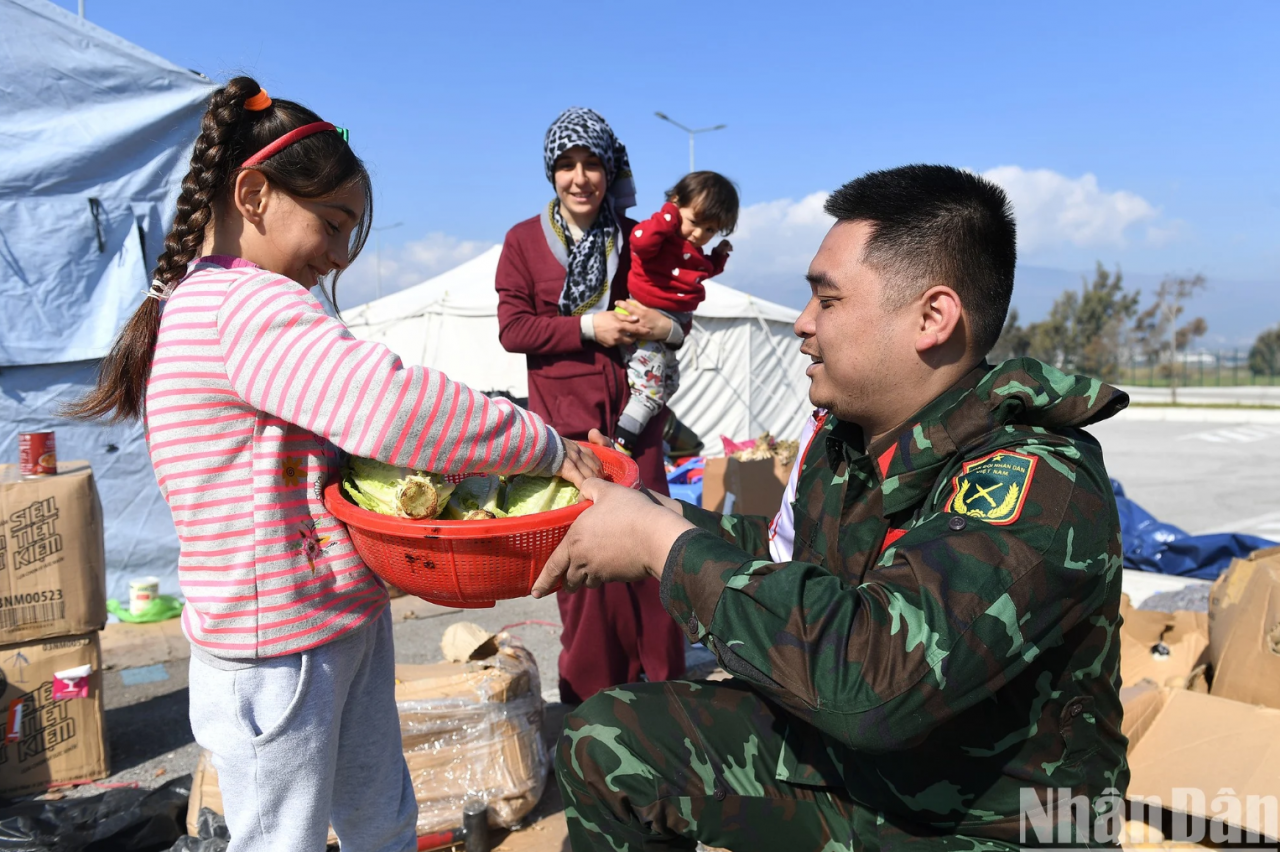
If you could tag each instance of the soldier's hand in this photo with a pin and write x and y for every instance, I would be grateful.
(595, 436)
(623, 537)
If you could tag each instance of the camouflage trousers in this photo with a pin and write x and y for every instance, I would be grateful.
(664, 765)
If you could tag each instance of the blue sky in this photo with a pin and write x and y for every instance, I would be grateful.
(1141, 134)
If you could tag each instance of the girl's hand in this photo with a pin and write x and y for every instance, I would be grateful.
(650, 324)
(595, 436)
(579, 465)
(614, 329)
(722, 248)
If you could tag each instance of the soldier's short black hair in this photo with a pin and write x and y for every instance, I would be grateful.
(938, 225)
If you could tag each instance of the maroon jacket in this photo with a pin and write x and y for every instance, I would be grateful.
(575, 386)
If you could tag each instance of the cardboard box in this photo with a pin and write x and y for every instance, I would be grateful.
(757, 486)
(49, 738)
(1244, 630)
(469, 730)
(1163, 647)
(713, 484)
(1204, 757)
(52, 559)
(204, 793)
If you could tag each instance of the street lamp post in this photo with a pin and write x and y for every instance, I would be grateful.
(690, 131)
(377, 252)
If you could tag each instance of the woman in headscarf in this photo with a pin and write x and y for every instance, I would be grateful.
(559, 277)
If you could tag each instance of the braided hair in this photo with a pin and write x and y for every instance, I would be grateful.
(313, 167)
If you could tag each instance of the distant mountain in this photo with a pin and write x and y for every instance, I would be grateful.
(1236, 311)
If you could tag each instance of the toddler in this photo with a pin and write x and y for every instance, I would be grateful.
(667, 271)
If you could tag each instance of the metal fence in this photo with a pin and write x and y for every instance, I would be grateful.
(1198, 368)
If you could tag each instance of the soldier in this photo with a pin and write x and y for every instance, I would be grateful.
(941, 646)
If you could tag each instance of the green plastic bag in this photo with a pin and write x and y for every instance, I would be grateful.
(162, 608)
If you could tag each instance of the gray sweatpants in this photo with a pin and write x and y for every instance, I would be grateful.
(307, 739)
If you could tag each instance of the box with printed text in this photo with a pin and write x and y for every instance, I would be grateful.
(52, 559)
(51, 706)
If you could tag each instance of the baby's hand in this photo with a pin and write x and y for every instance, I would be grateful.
(722, 247)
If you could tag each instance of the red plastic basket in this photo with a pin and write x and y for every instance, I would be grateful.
(465, 563)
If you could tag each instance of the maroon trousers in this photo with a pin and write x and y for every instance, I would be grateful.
(619, 631)
(612, 635)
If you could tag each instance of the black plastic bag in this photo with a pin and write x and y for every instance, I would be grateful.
(123, 820)
(212, 835)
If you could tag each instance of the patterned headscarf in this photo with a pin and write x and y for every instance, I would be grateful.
(588, 262)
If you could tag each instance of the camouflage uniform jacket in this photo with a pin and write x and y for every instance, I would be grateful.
(946, 634)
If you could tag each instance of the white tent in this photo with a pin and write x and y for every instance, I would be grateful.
(741, 370)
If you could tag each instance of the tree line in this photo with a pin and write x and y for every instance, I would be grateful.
(1088, 329)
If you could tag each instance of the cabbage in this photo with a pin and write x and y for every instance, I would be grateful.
(528, 495)
(406, 493)
(423, 496)
(390, 490)
(476, 498)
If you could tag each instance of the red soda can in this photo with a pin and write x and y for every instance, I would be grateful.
(37, 454)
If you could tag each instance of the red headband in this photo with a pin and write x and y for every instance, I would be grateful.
(286, 140)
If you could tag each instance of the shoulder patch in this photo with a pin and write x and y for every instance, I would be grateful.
(993, 488)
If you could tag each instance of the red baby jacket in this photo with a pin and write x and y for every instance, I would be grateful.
(667, 270)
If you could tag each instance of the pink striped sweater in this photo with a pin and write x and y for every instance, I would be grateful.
(254, 392)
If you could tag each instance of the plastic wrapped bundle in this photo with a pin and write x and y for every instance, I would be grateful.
(473, 731)
(469, 730)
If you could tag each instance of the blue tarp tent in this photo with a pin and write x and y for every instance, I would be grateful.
(95, 134)
(1150, 545)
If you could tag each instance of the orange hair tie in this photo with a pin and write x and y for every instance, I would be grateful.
(258, 102)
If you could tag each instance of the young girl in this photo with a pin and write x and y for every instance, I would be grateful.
(667, 271)
(249, 391)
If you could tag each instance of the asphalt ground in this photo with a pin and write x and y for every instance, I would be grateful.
(1202, 476)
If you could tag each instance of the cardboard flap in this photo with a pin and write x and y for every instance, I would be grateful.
(1205, 744)
(65, 468)
(1184, 635)
(505, 676)
(1244, 625)
(1142, 703)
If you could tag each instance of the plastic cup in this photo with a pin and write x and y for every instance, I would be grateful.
(142, 591)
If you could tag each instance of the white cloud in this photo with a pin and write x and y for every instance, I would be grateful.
(1161, 235)
(1054, 210)
(776, 240)
(403, 265)
(773, 244)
